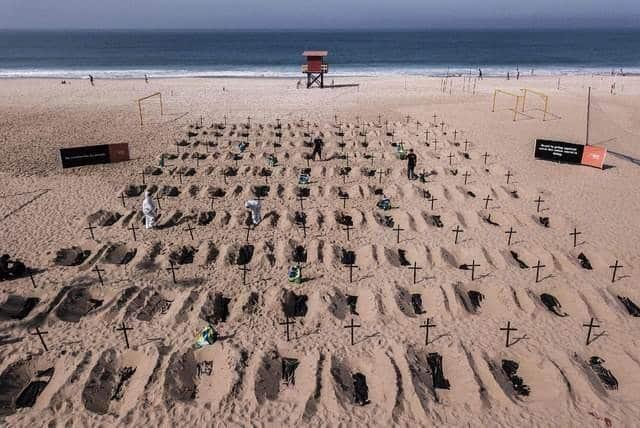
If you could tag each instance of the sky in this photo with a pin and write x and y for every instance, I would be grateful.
(316, 14)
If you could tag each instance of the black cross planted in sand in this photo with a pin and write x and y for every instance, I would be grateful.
(347, 228)
(473, 266)
(435, 118)
(351, 266)
(189, 229)
(451, 156)
(301, 199)
(398, 229)
(372, 157)
(123, 328)
(432, 200)
(158, 198)
(248, 121)
(178, 145)
(133, 229)
(427, 325)
(590, 326)
(426, 136)
(466, 176)
(40, 334)
(466, 146)
(510, 232)
(90, 229)
(380, 172)
(352, 326)
(144, 182)
(486, 201)
(33, 280)
(537, 267)
(455, 134)
(224, 175)
(538, 202)
(615, 268)
(244, 270)
(508, 175)
(344, 198)
(180, 173)
(457, 231)
(415, 269)
(575, 234)
(248, 229)
(303, 226)
(173, 270)
(485, 156)
(213, 198)
(508, 329)
(442, 124)
(99, 271)
(122, 198)
(286, 323)
(435, 144)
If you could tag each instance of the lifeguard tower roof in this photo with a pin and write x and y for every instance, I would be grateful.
(315, 53)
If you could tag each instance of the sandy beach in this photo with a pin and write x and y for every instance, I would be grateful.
(237, 381)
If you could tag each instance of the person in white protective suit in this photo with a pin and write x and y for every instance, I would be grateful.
(150, 211)
(254, 206)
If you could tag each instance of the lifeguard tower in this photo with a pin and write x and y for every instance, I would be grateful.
(315, 68)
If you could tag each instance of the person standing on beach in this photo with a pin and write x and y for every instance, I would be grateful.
(480, 73)
(317, 148)
(91, 80)
(146, 79)
(412, 161)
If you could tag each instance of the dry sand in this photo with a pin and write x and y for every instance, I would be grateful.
(237, 381)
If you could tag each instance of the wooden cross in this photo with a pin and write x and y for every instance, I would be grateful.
(435, 144)
(486, 201)
(451, 156)
(303, 226)
(97, 270)
(426, 136)
(40, 334)
(133, 229)
(615, 268)
(244, 270)
(123, 197)
(485, 156)
(213, 198)
(352, 326)
(173, 270)
(351, 266)
(575, 234)
(510, 232)
(287, 322)
(344, 200)
(590, 326)
(508, 175)
(372, 158)
(158, 198)
(538, 201)
(442, 126)
(537, 267)
(435, 118)
(248, 229)
(473, 270)
(466, 175)
(347, 228)
(190, 229)
(508, 329)
(455, 133)
(90, 228)
(415, 269)
(180, 175)
(457, 231)
(178, 145)
(380, 172)
(427, 325)
(466, 145)
(398, 229)
(432, 200)
(301, 199)
(408, 118)
(248, 121)
(224, 175)
(143, 179)
(123, 328)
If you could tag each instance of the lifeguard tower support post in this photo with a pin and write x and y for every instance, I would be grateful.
(315, 68)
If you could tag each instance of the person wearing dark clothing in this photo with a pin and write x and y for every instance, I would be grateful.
(91, 80)
(317, 148)
(412, 161)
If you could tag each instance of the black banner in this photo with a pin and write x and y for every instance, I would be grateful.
(92, 155)
(559, 151)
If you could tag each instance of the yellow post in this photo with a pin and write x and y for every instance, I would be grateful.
(546, 104)
(140, 110)
(493, 109)
(161, 109)
(524, 98)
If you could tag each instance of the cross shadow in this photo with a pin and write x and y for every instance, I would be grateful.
(546, 277)
(439, 337)
(618, 278)
(364, 339)
(597, 336)
(518, 339)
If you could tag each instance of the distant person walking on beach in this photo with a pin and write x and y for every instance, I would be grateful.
(508, 75)
(480, 73)
(298, 84)
(146, 79)
(91, 80)
(412, 161)
(317, 148)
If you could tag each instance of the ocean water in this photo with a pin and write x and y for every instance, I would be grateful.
(124, 54)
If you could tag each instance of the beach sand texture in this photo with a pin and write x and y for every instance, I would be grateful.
(89, 378)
